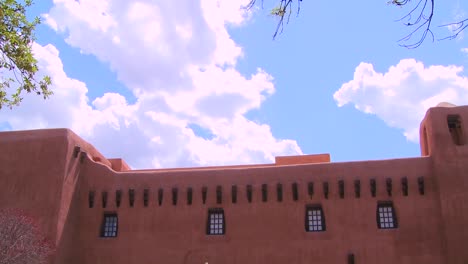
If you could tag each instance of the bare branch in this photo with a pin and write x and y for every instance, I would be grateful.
(424, 11)
(458, 28)
(419, 19)
(20, 240)
(284, 8)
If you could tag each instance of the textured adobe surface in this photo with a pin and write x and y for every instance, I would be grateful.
(47, 175)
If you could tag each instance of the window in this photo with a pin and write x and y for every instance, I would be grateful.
(455, 128)
(315, 219)
(109, 225)
(386, 217)
(216, 224)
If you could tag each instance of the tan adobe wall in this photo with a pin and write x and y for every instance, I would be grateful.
(268, 232)
(46, 174)
(450, 166)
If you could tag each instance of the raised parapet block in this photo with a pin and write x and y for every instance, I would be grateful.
(119, 165)
(302, 159)
(443, 131)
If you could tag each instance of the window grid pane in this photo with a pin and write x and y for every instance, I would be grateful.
(216, 222)
(110, 225)
(314, 219)
(386, 216)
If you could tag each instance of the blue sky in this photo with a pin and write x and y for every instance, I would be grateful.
(197, 83)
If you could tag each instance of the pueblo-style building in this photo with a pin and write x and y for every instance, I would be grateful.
(301, 209)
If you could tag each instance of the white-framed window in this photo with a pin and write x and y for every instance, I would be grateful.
(386, 216)
(216, 224)
(110, 225)
(315, 219)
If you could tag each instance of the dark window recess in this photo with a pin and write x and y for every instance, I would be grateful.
(325, 190)
(82, 156)
(404, 186)
(160, 196)
(341, 188)
(421, 185)
(76, 151)
(455, 128)
(189, 195)
(131, 197)
(216, 224)
(118, 197)
(314, 219)
(279, 192)
(204, 192)
(234, 193)
(357, 188)
(388, 183)
(351, 258)
(174, 196)
(219, 194)
(264, 192)
(386, 216)
(373, 187)
(104, 199)
(91, 195)
(310, 189)
(249, 193)
(145, 197)
(295, 192)
(110, 225)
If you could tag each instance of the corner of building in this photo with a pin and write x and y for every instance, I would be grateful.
(444, 138)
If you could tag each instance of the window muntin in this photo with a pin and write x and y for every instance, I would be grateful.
(109, 225)
(315, 219)
(386, 216)
(216, 222)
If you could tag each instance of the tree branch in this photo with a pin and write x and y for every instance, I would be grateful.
(284, 7)
(423, 21)
(459, 27)
(419, 19)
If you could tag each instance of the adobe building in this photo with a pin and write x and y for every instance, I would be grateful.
(302, 209)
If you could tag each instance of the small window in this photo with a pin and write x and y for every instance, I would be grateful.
(455, 128)
(216, 224)
(386, 216)
(315, 219)
(110, 225)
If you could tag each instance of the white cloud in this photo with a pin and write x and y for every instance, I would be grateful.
(402, 95)
(68, 102)
(179, 61)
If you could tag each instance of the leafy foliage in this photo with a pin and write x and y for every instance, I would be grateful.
(18, 66)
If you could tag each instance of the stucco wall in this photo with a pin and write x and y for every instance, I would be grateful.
(450, 167)
(264, 232)
(44, 173)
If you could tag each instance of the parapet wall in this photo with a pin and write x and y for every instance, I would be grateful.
(165, 212)
(390, 178)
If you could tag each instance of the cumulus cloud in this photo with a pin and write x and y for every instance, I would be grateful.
(179, 61)
(65, 106)
(402, 95)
